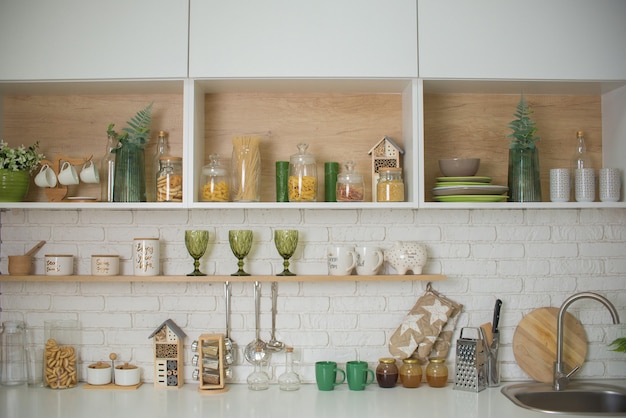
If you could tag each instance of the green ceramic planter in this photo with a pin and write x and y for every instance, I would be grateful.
(13, 185)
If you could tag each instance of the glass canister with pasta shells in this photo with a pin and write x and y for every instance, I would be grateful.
(302, 183)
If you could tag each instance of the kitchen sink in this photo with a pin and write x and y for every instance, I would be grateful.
(578, 398)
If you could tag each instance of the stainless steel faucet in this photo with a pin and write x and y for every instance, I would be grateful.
(561, 377)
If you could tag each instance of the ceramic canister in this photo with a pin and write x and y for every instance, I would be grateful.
(59, 264)
(146, 259)
(105, 265)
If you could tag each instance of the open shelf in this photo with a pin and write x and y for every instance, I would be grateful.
(221, 279)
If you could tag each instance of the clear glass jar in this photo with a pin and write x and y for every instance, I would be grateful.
(410, 373)
(214, 181)
(387, 372)
(13, 370)
(245, 167)
(258, 379)
(169, 180)
(350, 186)
(62, 339)
(437, 373)
(289, 380)
(302, 181)
(390, 186)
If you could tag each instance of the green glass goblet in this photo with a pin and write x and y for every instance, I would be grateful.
(240, 243)
(286, 241)
(196, 242)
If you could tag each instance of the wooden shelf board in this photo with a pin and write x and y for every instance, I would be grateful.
(216, 279)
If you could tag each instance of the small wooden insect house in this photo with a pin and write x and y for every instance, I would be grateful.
(168, 340)
(386, 153)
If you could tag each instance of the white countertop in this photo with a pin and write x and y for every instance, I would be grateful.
(239, 401)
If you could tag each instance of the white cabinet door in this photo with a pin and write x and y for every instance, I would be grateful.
(531, 39)
(303, 38)
(92, 39)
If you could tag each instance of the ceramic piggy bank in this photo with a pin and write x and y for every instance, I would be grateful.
(405, 256)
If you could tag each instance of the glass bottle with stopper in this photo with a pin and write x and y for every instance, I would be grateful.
(289, 380)
(258, 379)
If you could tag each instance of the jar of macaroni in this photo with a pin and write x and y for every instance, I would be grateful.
(390, 186)
(169, 179)
(214, 181)
(302, 182)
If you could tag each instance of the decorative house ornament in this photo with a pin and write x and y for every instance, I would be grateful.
(168, 340)
(386, 153)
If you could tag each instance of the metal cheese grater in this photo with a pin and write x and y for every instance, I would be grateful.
(471, 361)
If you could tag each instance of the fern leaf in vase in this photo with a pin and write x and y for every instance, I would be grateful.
(138, 130)
(524, 129)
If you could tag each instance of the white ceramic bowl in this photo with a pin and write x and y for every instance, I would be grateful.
(59, 264)
(127, 375)
(105, 265)
(99, 374)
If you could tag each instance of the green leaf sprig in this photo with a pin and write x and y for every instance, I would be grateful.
(619, 345)
(138, 130)
(524, 129)
(21, 158)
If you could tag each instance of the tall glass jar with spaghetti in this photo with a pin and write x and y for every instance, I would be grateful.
(302, 183)
(62, 339)
(246, 169)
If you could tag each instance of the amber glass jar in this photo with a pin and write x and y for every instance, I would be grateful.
(410, 373)
(437, 373)
(387, 372)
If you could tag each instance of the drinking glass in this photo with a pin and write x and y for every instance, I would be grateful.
(196, 242)
(286, 241)
(240, 243)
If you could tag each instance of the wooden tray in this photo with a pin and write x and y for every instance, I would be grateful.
(534, 343)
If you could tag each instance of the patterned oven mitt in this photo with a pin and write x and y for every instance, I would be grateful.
(421, 328)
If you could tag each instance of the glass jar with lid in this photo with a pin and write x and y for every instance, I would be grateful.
(390, 186)
(387, 372)
(410, 373)
(302, 181)
(437, 373)
(214, 181)
(350, 186)
(169, 181)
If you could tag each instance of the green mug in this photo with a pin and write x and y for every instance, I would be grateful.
(358, 373)
(326, 375)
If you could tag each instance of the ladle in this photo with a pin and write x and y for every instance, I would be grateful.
(228, 343)
(273, 344)
(36, 248)
(251, 353)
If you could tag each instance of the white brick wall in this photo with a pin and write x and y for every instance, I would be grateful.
(528, 258)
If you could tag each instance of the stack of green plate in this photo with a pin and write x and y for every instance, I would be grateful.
(468, 189)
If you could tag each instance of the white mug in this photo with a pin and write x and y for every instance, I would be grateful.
(68, 174)
(369, 260)
(341, 260)
(89, 173)
(46, 177)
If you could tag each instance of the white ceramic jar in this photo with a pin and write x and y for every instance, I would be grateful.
(99, 373)
(59, 264)
(105, 265)
(127, 375)
(405, 256)
(146, 259)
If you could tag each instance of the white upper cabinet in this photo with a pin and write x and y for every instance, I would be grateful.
(532, 39)
(303, 38)
(93, 39)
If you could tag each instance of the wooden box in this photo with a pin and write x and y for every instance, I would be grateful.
(210, 361)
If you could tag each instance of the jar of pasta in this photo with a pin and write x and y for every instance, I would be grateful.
(214, 181)
(390, 186)
(350, 185)
(169, 179)
(302, 183)
(62, 339)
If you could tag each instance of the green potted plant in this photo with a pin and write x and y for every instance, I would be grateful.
(129, 184)
(16, 164)
(524, 180)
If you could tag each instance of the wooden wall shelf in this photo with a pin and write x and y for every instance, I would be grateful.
(221, 279)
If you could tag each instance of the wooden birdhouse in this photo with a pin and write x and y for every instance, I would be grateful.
(386, 153)
(168, 341)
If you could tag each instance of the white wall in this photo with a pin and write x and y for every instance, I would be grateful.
(528, 258)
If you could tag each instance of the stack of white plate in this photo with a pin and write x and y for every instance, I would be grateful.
(468, 189)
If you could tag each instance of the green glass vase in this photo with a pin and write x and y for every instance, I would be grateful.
(129, 184)
(13, 185)
(524, 178)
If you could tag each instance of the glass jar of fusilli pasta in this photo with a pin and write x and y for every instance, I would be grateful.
(302, 183)
(214, 181)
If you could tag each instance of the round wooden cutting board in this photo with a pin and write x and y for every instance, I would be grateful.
(534, 343)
